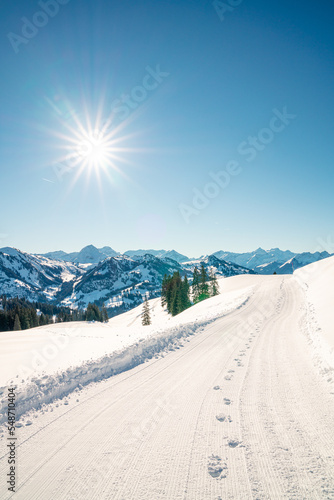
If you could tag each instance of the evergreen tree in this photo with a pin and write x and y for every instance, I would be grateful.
(146, 317)
(184, 294)
(42, 320)
(33, 318)
(17, 324)
(196, 285)
(164, 290)
(203, 284)
(176, 302)
(105, 317)
(214, 287)
(24, 319)
(175, 293)
(27, 313)
(93, 313)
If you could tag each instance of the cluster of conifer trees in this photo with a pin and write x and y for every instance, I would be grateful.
(94, 313)
(204, 285)
(20, 314)
(176, 294)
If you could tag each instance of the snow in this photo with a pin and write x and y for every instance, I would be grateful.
(227, 400)
(317, 281)
(52, 359)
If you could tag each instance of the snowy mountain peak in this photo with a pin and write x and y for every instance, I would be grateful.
(10, 251)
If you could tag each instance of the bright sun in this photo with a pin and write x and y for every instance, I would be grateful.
(94, 150)
(93, 147)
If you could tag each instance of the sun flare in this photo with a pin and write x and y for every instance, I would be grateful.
(94, 149)
(94, 145)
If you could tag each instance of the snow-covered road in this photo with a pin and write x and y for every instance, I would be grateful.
(239, 412)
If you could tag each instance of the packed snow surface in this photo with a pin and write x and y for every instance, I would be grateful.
(231, 399)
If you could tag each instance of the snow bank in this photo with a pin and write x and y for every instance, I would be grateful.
(88, 352)
(317, 282)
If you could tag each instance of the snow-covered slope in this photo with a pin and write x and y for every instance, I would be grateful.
(121, 281)
(301, 260)
(33, 276)
(219, 266)
(230, 406)
(161, 254)
(270, 261)
(317, 280)
(65, 350)
(256, 258)
(87, 255)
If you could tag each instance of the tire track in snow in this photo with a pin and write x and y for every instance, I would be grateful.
(67, 439)
(278, 462)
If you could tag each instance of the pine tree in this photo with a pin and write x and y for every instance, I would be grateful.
(184, 295)
(164, 290)
(214, 287)
(17, 324)
(196, 285)
(203, 284)
(42, 320)
(176, 301)
(24, 319)
(146, 317)
(93, 313)
(105, 317)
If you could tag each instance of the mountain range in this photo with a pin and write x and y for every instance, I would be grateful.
(269, 261)
(120, 281)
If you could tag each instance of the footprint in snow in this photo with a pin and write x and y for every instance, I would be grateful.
(223, 418)
(228, 377)
(227, 401)
(216, 387)
(233, 443)
(216, 467)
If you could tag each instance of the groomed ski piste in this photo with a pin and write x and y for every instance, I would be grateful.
(231, 399)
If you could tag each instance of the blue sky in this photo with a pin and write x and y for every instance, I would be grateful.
(188, 90)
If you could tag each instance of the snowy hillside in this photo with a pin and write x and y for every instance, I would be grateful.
(120, 282)
(81, 347)
(233, 398)
(161, 254)
(219, 266)
(33, 276)
(87, 255)
(317, 281)
(270, 261)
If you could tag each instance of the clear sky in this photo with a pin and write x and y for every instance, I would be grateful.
(117, 117)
